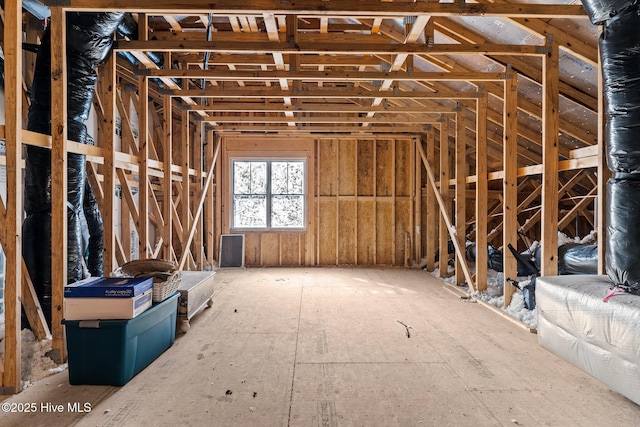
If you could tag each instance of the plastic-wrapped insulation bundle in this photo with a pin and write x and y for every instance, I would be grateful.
(619, 55)
(577, 258)
(600, 11)
(623, 232)
(89, 41)
(96, 231)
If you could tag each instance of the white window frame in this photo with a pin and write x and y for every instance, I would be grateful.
(268, 161)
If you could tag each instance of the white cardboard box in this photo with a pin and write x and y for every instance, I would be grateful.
(106, 308)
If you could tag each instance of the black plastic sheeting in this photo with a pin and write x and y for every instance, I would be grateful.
(89, 41)
(573, 258)
(600, 11)
(620, 47)
(619, 55)
(623, 232)
(95, 244)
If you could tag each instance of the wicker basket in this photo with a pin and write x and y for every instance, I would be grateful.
(165, 277)
(163, 289)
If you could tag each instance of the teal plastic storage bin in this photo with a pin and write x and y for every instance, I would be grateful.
(111, 352)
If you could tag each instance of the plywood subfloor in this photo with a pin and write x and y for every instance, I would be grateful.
(325, 347)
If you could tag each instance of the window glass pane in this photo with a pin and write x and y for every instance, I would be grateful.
(279, 178)
(296, 177)
(249, 211)
(258, 177)
(241, 177)
(287, 211)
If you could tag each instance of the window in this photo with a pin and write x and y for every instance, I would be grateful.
(269, 194)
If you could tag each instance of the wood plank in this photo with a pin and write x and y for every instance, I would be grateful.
(418, 240)
(361, 8)
(122, 204)
(12, 217)
(200, 204)
(569, 216)
(59, 237)
(129, 204)
(337, 76)
(432, 182)
(443, 246)
(252, 249)
(127, 137)
(550, 125)
(290, 246)
(255, 92)
(270, 249)
(365, 232)
(142, 224)
(327, 229)
(403, 172)
(347, 151)
(365, 167)
(431, 220)
(347, 227)
(198, 188)
(384, 167)
(328, 158)
(460, 191)
(209, 203)
(167, 182)
(384, 232)
(510, 185)
(481, 193)
(402, 236)
(185, 204)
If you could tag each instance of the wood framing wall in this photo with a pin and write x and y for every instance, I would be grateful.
(269, 248)
(398, 161)
(361, 201)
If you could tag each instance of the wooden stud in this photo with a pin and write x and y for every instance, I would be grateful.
(375, 202)
(481, 192)
(417, 201)
(414, 188)
(185, 204)
(219, 201)
(127, 137)
(337, 198)
(510, 184)
(209, 216)
(568, 217)
(550, 124)
(59, 238)
(460, 191)
(12, 221)
(444, 194)
(142, 225)
(112, 248)
(167, 182)
(447, 220)
(356, 194)
(394, 239)
(198, 154)
(127, 207)
(201, 198)
(432, 208)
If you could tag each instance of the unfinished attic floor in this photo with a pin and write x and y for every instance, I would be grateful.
(325, 347)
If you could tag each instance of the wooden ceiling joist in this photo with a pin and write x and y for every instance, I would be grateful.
(365, 8)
